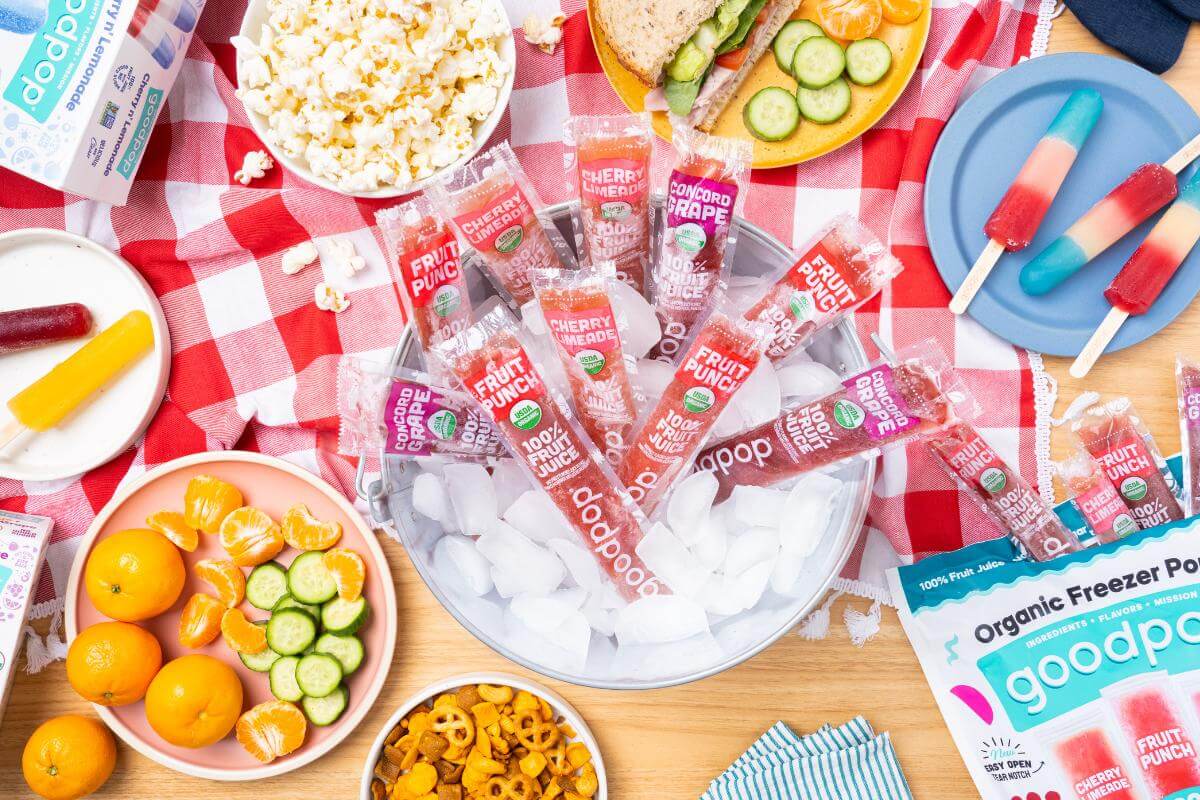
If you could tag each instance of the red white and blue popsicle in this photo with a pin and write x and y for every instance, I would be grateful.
(1020, 212)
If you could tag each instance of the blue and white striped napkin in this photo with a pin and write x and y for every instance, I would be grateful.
(848, 762)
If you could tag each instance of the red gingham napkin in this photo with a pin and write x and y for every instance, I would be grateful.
(254, 360)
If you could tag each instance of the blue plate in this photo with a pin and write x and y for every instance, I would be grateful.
(982, 148)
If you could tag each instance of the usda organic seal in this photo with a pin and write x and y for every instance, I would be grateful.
(592, 361)
(802, 306)
(446, 300)
(525, 414)
(690, 237)
(993, 480)
(848, 414)
(510, 239)
(615, 209)
(443, 424)
(1134, 488)
(1123, 525)
(698, 399)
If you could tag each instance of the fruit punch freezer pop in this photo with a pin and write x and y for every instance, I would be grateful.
(1096, 499)
(607, 160)
(1187, 383)
(69, 385)
(1149, 188)
(706, 190)
(882, 406)
(721, 356)
(1003, 494)
(842, 268)
(1113, 435)
(1157, 732)
(490, 361)
(32, 327)
(424, 257)
(496, 210)
(579, 316)
(1020, 212)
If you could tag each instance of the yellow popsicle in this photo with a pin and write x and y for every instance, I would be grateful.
(66, 387)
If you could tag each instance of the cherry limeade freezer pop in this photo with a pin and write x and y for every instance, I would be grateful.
(608, 164)
(843, 268)
(1187, 382)
(706, 190)
(497, 371)
(1096, 499)
(1092, 761)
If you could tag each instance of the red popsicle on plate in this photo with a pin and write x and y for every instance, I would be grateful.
(32, 327)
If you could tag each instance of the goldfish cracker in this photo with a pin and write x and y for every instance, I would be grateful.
(524, 700)
(485, 713)
(418, 724)
(533, 764)
(495, 694)
(481, 763)
(588, 783)
(578, 755)
(421, 779)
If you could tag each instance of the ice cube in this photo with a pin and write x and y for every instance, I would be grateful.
(456, 557)
(806, 514)
(690, 504)
(519, 565)
(753, 582)
(472, 496)
(720, 596)
(510, 482)
(557, 650)
(671, 561)
(545, 612)
(786, 576)
(430, 499)
(573, 635)
(711, 547)
(534, 514)
(749, 630)
(531, 317)
(751, 548)
(806, 381)
(580, 563)
(660, 618)
(759, 400)
(603, 620)
(653, 662)
(755, 506)
(654, 377)
(434, 464)
(729, 423)
(642, 329)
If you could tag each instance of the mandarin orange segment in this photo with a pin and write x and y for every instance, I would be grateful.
(200, 622)
(172, 525)
(349, 572)
(902, 12)
(303, 531)
(271, 730)
(224, 576)
(207, 501)
(251, 537)
(850, 19)
(242, 635)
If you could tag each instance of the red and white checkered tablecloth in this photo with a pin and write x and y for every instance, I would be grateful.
(254, 361)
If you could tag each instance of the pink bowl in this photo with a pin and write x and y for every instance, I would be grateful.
(273, 486)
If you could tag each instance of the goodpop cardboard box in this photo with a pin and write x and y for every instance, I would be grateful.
(81, 83)
(23, 540)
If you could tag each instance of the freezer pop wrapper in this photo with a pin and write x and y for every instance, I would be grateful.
(1096, 498)
(840, 268)
(1187, 382)
(407, 414)
(1114, 435)
(1000, 491)
(586, 330)
(495, 208)
(607, 164)
(1069, 678)
(880, 407)
(495, 368)
(694, 253)
(426, 265)
(716, 363)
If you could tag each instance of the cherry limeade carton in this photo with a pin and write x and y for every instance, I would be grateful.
(82, 82)
(23, 539)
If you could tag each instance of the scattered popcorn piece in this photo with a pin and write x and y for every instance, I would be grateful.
(254, 165)
(347, 259)
(545, 34)
(332, 299)
(298, 257)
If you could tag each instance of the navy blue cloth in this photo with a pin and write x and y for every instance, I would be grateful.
(1151, 32)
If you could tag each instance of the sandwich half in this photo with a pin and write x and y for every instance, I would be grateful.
(694, 54)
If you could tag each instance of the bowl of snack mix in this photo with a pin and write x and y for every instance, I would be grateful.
(376, 98)
(485, 735)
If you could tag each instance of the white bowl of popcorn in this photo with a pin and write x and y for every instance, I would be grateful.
(374, 98)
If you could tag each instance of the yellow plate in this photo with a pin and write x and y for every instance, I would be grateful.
(867, 106)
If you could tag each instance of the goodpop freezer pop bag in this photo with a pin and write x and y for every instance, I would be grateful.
(839, 269)
(1114, 435)
(1096, 499)
(493, 365)
(882, 406)
(494, 207)
(579, 317)
(1187, 382)
(607, 162)
(705, 191)
(1001, 492)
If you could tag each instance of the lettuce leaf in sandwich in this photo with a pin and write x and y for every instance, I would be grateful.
(727, 30)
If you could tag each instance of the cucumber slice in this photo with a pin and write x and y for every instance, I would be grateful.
(789, 38)
(283, 680)
(867, 61)
(771, 114)
(260, 662)
(290, 631)
(346, 649)
(818, 62)
(322, 711)
(318, 674)
(825, 105)
(287, 601)
(309, 581)
(266, 585)
(344, 617)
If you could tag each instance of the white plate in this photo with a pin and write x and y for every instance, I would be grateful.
(42, 267)
(561, 706)
(256, 16)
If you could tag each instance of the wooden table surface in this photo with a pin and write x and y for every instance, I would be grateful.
(667, 744)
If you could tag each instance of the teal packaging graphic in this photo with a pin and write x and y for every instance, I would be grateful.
(1077, 677)
(53, 58)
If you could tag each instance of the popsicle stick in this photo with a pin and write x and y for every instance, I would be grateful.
(1186, 155)
(11, 430)
(975, 278)
(1100, 339)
